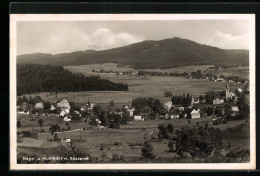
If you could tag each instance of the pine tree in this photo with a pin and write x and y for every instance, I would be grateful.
(147, 150)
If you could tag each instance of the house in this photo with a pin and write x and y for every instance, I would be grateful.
(239, 90)
(39, 105)
(53, 107)
(195, 114)
(138, 118)
(66, 119)
(22, 112)
(194, 101)
(181, 108)
(131, 113)
(77, 112)
(62, 113)
(90, 106)
(234, 111)
(172, 115)
(167, 105)
(63, 104)
(218, 101)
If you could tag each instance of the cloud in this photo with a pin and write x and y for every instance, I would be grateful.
(104, 38)
(229, 41)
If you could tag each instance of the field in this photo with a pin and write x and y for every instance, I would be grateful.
(242, 72)
(125, 142)
(138, 87)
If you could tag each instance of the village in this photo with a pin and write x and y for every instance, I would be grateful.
(219, 108)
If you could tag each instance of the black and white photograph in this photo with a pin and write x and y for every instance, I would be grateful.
(132, 91)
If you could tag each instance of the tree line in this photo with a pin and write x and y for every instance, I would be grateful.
(34, 78)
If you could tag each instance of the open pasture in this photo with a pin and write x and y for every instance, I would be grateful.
(87, 69)
(127, 141)
(148, 87)
(242, 72)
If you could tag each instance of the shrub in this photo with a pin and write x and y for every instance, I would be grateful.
(147, 150)
(199, 141)
(42, 131)
(117, 157)
(26, 134)
(54, 128)
(170, 128)
(18, 124)
(168, 94)
(74, 151)
(171, 145)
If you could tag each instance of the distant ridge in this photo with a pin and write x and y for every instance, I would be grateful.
(166, 53)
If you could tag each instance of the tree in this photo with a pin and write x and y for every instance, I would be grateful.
(170, 145)
(111, 103)
(73, 151)
(209, 111)
(46, 105)
(18, 124)
(147, 150)
(98, 110)
(168, 94)
(40, 122)
(169, 128)
(54, 128)
(199, 141)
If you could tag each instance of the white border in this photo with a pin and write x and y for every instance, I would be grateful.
(128, 17)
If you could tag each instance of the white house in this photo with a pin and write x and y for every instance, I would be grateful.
(131, 113)
(195, 114)
(167, 105)
(138, 118)
(66, 119)
(52, 107)
(39, 105)
(195, 101)
(62, 113)
(218, 101)
(63, 104)
(234, 111)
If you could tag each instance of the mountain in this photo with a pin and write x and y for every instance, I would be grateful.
(167, 53)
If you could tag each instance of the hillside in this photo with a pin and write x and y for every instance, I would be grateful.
(45, 78)
(167, 53)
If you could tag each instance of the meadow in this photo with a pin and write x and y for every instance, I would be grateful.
(125, 142)
(138, 87)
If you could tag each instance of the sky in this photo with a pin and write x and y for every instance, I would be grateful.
(63, 37)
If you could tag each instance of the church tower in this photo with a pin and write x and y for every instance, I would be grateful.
(227, 91)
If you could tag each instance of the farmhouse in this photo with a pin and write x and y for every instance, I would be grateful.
(167, 105)
(62, 113)
(66, 119)
(195, 114)
(39, 105)
(218, 101)
(53, 107)
(63, 104)
(171, 115)
(234, 111)
(194, 101)
(138, 118)
(131, 113)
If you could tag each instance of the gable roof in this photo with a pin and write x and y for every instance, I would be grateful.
(235, 108)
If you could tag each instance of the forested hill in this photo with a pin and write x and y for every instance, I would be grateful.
(167, 53)
(45, 78)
